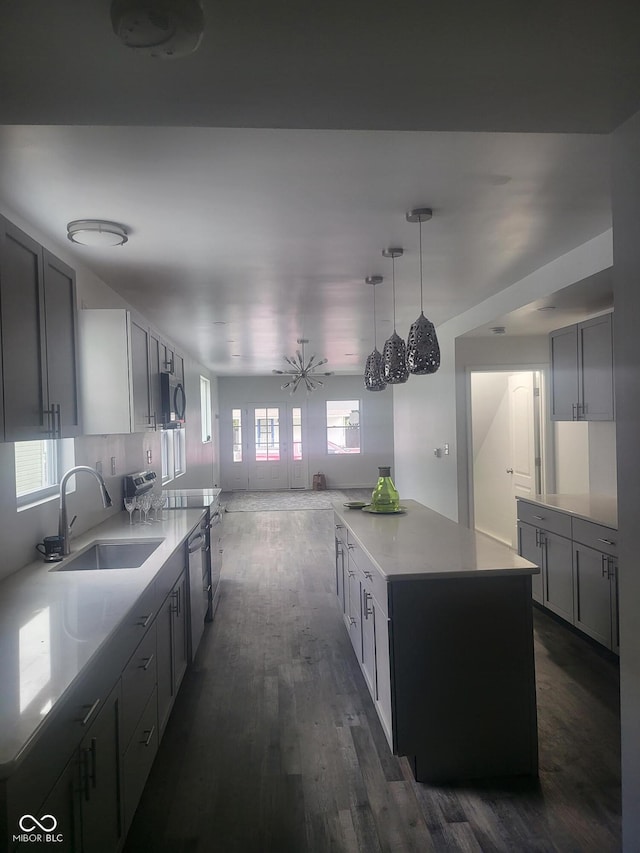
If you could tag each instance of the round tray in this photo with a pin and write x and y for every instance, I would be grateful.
(368, 508)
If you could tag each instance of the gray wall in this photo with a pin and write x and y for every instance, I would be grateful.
(626, 224)
(341, 471)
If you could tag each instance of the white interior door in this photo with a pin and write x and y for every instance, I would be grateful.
(276, 458)
(524, 440)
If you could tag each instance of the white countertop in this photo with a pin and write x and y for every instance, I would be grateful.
(598, 508)
(53, 622)
(422, 544)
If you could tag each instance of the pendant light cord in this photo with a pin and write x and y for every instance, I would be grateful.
(375, 339)
(393, 278)
(421, 304)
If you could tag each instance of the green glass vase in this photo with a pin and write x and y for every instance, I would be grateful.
(385, 497)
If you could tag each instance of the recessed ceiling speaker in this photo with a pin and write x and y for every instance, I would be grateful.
(166, 29)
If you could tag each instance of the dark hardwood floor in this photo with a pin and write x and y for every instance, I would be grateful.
(274, 745)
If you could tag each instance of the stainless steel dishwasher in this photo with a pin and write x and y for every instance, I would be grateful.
(196, 553)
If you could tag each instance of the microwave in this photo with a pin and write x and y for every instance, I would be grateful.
(173, 401)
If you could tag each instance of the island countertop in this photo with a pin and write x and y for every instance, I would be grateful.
(53, 623)
(422, 544)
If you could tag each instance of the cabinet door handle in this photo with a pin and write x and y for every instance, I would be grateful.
(350, 546)
(149, 734)
(539, 517)
(367, 611)
(90, 712)
(606, 541)
(94, 763)
(144, 620)
(367, 575)
(605, 565)
(339, 526)
(611, 572)
(574, 411)
(146, 665)
(153, 420)
(351, 574)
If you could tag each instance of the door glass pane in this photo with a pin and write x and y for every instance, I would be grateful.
(267, 432)
(236, 417)
(296, 432)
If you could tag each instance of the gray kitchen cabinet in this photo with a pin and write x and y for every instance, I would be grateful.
(596, 595)
(530, 548)
(155, 369)
(341, 566)
(139, 757)
(140, 378)
(115, 372)
(582, 371)
(85, 800)
(172, 648)
(578, 580)
(101, 818)
(558, 574)
(39, 343)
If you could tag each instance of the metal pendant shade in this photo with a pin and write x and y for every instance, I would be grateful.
(423, 350)
(394, 352)
(373, 369)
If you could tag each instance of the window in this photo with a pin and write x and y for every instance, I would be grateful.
(236, 418)
(39, 465)
(296, 432)
(173, 453)
(343, 426)
(205, 409)
(267, 426)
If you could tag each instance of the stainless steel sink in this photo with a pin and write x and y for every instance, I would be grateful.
(110, 555)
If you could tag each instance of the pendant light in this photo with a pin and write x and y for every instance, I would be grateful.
(373, 370)
(423, 350)
(394, 352)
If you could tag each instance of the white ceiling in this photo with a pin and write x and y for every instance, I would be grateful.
(261, 177)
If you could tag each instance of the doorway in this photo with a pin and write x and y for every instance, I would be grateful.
(275, 447)
(506, 447)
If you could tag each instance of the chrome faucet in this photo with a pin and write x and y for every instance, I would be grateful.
(63, 526)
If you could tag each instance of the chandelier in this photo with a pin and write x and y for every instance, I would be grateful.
(301, 370)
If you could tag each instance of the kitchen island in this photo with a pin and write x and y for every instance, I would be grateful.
(440, 618)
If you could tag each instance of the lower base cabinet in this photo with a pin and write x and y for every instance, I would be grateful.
(106, 748)
(577, 581)
(85, 801)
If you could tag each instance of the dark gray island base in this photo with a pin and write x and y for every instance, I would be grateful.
(441, 621)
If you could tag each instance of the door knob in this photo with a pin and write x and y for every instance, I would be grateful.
(509, 470)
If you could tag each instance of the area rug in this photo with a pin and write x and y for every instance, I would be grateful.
(290, 500)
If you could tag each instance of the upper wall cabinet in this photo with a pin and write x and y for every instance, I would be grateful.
(39, 342)
(582, 371)
(115, 360)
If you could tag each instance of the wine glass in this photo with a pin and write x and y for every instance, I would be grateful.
(157, 503)
(145, 506)
(130, 506)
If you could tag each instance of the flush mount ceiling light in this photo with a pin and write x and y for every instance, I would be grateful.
(96, 232)
(373, 369)
(302, 370)
(423, 350)
(394, 352)
(164, 29)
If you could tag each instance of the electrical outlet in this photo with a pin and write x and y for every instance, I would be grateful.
(446, 449)
(149, 457)
(113, 465)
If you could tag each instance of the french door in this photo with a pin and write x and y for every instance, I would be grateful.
(276, 457)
